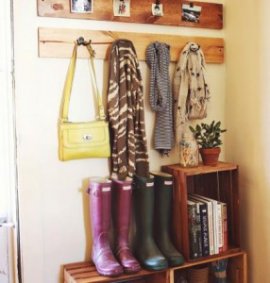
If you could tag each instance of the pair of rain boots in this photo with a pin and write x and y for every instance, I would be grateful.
(100, 196)
(153, 207)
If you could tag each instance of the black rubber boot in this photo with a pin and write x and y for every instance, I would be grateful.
(145, 248)
(163, 184)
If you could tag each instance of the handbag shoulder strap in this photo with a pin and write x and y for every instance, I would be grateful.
(69, 81)
(101, 112)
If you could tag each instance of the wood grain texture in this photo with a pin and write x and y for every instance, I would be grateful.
(237, 271)
(85, 272)
(203, 180)
(58, 43)
(203, 169)
(211, 15)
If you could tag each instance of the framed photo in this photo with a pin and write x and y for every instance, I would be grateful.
(157, 10)
(191, 13)
(121, 8)
(81, 6)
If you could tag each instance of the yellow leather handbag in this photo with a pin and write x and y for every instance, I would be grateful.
(82, 139)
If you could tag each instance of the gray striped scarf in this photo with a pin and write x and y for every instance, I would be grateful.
(126, 113)
(158, 60)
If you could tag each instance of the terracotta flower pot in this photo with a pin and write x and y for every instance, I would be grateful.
(210, 155)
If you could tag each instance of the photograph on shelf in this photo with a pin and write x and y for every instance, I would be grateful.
(191, 13)
(81, 6)
(157, 10)
(121, 8)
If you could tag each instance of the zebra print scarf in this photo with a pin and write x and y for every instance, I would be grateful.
(158, 60)
(126, 113)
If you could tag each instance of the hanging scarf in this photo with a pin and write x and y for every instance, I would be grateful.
(190, 89)
(158, 60)
(126, 113)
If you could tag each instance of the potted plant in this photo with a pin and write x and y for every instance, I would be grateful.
(208, 137)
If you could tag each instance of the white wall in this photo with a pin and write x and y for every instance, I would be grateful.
(247, 117)
(53, 204)
(8, 188)
(7, 140)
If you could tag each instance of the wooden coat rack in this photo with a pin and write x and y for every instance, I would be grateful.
(58, 43)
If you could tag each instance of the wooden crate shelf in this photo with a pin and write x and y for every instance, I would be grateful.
(85, 272)
(220, 183)
(203, 169)
(236, 269)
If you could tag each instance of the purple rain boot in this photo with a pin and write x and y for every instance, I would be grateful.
(100, 213)
(122, 191)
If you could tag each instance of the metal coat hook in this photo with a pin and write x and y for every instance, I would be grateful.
(194, 47)
(82, 41)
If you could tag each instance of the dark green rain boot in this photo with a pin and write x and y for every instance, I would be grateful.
(145, 249)
(163, 184)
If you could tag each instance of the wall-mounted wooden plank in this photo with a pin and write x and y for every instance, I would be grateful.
(58, 43)
(211, 14)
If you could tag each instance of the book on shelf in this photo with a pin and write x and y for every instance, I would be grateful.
(220, 228)
(194, 230)
(214, 223)
(210, 223)
(204, 225)
(224, 227)
(217, 224)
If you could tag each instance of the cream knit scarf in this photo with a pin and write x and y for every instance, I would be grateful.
(190, 89)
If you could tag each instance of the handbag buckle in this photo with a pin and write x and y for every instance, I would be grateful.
(87, 137)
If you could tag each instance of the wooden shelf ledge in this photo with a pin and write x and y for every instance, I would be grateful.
(58, 43)
(201, 169)
(85, 272)
(140, 12)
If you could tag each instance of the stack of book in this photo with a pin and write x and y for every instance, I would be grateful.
(208, 227)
